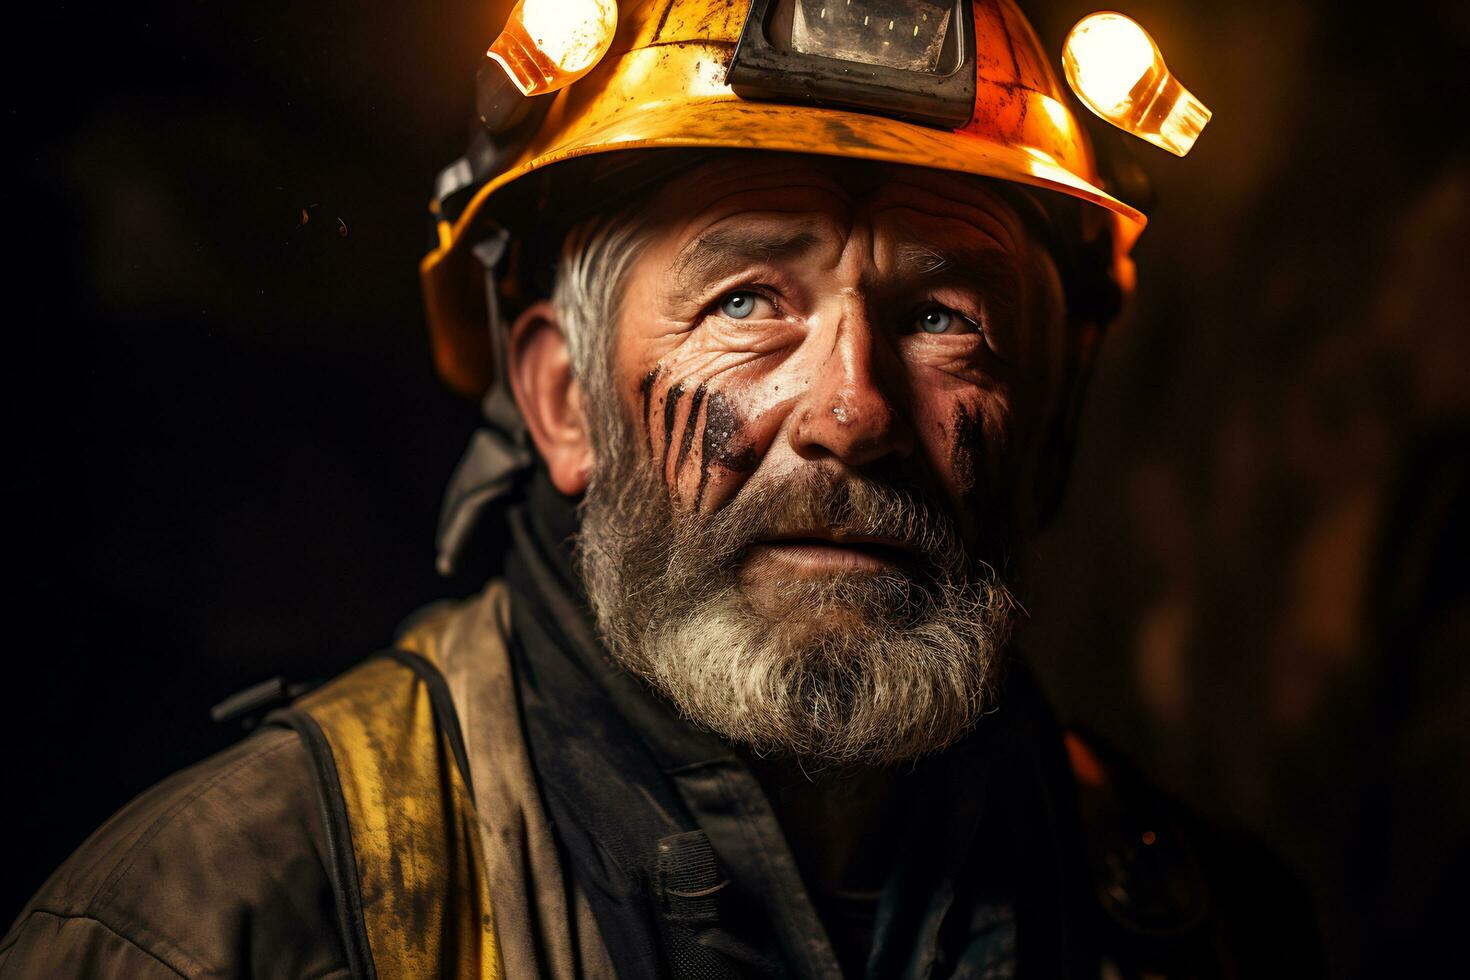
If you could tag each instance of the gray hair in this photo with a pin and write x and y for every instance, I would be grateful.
(596, 258)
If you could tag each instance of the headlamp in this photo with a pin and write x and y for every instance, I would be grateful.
(908, 36)
(546, 45)
(1118, 72)
(549, 44)
(911, 59)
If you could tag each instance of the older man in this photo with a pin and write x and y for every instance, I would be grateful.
(739, 704)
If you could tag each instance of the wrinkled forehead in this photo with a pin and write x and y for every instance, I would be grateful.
(828, 197)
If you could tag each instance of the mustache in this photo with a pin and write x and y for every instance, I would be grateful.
(843, 504)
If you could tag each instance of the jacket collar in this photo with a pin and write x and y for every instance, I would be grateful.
(992, 850)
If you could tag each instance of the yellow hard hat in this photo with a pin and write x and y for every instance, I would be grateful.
(754, 75)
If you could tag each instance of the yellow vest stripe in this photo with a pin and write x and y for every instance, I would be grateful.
(425, 902)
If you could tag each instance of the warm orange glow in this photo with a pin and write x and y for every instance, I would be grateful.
(548, 44)
(1118, 72)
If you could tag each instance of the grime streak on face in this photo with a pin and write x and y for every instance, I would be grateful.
(645, 388)
(690, 421)
(967, 432)
(671, 411)
(723, 444)
(985, 483)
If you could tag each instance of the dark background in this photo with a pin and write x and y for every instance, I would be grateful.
(224, 444)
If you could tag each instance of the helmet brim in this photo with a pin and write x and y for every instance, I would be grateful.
(728, 122)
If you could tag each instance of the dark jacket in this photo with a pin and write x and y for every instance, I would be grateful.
(219, 871)
(632, 844)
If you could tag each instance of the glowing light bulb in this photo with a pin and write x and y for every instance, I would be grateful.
(548, 44)
(1118, 72)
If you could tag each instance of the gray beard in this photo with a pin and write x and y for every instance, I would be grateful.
(858, 668)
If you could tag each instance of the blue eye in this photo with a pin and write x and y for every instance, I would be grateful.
(936, 320)
(738, 306)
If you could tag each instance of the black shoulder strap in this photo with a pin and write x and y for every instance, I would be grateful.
(445, 716)
(341, 861)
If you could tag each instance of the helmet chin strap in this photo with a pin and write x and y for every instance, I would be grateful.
(499, 456)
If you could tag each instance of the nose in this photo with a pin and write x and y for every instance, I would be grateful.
(849, 412)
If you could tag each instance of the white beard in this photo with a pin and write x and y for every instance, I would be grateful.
(857, 668)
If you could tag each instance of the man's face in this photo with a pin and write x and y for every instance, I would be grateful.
(833, 383)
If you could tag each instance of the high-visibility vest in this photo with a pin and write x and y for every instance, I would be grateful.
(397, 801)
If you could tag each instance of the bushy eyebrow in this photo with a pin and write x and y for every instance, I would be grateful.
(969, 263)
(725, 251)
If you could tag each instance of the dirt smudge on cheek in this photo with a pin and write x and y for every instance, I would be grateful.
(982, 500)
(723, 444)
(671, 409)
(969, 430)
(645, 388)
(687, 439)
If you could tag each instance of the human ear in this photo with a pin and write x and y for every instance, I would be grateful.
(550, 397)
